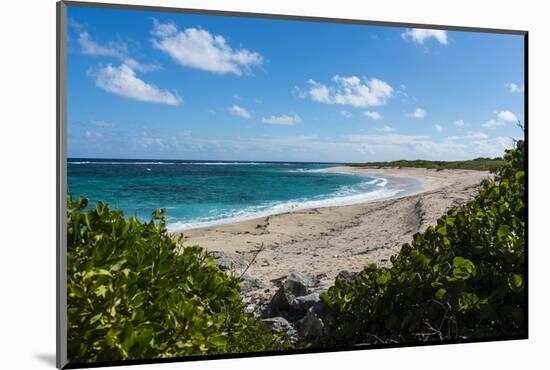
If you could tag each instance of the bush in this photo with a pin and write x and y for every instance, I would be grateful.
(463, 278)
(134, 293)
(478, 164)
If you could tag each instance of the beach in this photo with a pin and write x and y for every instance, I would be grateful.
(323, 241)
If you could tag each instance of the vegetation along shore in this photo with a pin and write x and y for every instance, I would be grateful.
(443, 262)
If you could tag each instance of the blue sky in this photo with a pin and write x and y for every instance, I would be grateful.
(151, 85)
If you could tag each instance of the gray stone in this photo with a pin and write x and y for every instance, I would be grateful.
(226, 261)
(303, 303)
(249, 283)
(250, 308)
(280, 325)
(312, 326)
(296, 285)
(280, 302)
(346, 275)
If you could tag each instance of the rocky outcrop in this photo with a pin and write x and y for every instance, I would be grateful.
(296, 308)
(281, 325)
(312, 325)
(249, 283)
(303, 303)
(289, 299)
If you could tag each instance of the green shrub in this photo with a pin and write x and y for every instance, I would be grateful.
(134, 293)
(478, 164)
(463, 278)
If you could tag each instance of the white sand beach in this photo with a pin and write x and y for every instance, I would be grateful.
(321, 242)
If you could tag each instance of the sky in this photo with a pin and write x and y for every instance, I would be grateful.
(156, 85)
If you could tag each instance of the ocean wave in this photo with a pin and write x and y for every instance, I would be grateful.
(228, 163)
(176, 163)
(284, 207)
(298, 170)
(383, 182)
(130, 163)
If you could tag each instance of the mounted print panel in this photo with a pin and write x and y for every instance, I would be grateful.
(237, 184)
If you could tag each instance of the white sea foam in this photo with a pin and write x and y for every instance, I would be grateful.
(227, 163)
(100, 162)
(341, 198)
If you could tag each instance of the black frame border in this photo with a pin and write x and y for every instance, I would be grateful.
(61, 158)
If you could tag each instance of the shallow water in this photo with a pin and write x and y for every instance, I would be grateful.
(198, 194)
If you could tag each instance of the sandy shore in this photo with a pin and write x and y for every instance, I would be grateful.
(324, 241)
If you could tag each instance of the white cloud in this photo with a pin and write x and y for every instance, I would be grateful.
(164, 29)
(387, 139)
(492, 123)
(515, 88)
(141, 67)
(419, 35)
(438, 128)
(90, 47)
(122, 81)
(459, 123)
(471, 135)
(373, 115)
(319, 92)
(402, 92)
(314, 148)
(187, 132)
(239, 111)
(351, 91)
(197, 48)
(503, 117)
(392, 146)
(493, 147)
(298, 93)
(507, 116)
(475, 135)
(284, 119)
(117, 50)
(418, 113)
(385, 128)
(345, 113)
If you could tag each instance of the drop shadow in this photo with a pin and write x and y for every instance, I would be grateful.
(46, 358)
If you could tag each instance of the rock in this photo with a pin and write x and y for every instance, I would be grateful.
(312, 326)
(346, 275)
(303, 303)
(249, 283)
(250, 308)
(280, 325)
(227, 262)
(296, 285)
(280, 303)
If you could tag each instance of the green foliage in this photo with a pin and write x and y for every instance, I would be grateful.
(478, 164)
(463, 278)
(134, 292)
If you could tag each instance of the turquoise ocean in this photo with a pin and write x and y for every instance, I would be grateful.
(204, 193)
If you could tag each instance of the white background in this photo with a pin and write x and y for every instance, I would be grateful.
(27, 193)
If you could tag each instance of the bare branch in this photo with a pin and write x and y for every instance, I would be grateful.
(252, 260)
